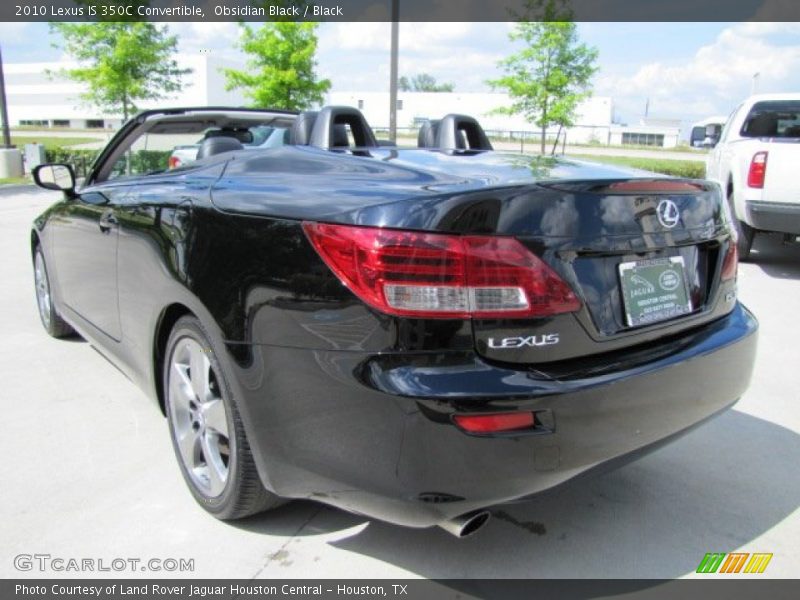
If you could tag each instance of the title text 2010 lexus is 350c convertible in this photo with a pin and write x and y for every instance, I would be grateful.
(413, 334)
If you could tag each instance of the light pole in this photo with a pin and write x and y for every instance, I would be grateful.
(393, 72)
(754, 85)
(3, 111)
(10, 157)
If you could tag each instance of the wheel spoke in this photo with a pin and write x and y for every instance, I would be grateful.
(42, 289)
(198, 417)
(188, 443)
(216, 470)
(214, 416)
(200, 372)
(182, 384)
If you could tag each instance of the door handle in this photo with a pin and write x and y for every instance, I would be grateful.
(108, 221)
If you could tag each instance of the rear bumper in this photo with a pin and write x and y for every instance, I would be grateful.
(773, 216)
(372, 433)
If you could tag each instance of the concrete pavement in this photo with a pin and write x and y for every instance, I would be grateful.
(88, 472)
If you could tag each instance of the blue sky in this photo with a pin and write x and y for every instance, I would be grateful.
(685, 70)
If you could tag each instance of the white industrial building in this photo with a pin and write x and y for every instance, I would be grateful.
(648, 132)
(39, 97)
(594, 121)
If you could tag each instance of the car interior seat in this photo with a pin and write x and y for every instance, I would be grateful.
(243, 135)
(330, 131)
(793, 131)
(453, 132)
(763, 125)
(340, 139)
(300, 133)
(427, 134)
(217, 145)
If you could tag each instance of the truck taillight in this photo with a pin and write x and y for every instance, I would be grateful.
(430, 275)
(174, 162)
(758, 170)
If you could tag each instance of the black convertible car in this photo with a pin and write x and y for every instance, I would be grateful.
(414, 334)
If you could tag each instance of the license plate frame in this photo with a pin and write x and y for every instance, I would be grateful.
(654, 290)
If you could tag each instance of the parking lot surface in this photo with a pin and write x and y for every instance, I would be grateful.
(88, 471)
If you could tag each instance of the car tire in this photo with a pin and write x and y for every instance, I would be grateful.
(52, 322)
(744, 233)
(206, 428)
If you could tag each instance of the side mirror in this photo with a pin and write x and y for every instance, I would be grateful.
(712, 136)
(58, 177)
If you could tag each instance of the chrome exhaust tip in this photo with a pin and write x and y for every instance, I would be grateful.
(466, 524)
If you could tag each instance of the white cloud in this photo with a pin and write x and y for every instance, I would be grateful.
(356, 55)
(414, 37)
(219, 38)
(13, 33)
(373, 36)
(716, 77)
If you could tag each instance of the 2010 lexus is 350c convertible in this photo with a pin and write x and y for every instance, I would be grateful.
(413, 334)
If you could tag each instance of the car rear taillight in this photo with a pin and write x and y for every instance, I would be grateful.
(495, 423)
(174, 162)
(731, 262)
(412, 274)
(758, 170)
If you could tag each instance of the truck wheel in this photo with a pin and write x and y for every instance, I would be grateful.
(745, 242)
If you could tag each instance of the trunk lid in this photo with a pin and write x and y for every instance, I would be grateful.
(644, 257)
(583, 220)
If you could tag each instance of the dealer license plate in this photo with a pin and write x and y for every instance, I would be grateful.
(654, 290)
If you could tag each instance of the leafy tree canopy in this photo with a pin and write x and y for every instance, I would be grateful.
(552, 73)
(281, 70)
(423, 83)
(121, 63)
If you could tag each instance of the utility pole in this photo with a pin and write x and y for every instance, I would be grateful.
(393, 71)
(10, 158)
(3, 110)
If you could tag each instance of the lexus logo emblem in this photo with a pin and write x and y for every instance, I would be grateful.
(668, 214)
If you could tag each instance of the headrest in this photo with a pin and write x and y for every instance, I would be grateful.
(763, 125)
(793, 131)
(427, 134)
(461, 140)
(340, 137)
(302, 127)
(461, 131)
(453, 132)
(324, 133)
(245, 136)
(217, 145)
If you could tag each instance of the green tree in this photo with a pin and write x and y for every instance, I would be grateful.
(552, 73)
(121, 63)
(281, 70)
(423, 83)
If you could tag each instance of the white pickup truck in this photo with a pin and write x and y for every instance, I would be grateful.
(757, 163)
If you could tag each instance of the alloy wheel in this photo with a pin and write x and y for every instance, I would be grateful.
(42, 289)
(198, 417)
